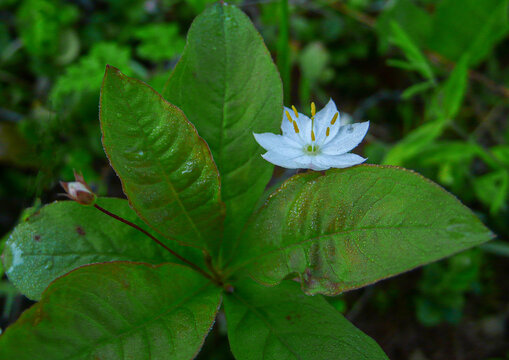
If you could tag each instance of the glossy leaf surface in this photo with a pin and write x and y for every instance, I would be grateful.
(116, 311)
(352, 227)
(228, 86)
(166, 169)
(65, 235)
(283, 323)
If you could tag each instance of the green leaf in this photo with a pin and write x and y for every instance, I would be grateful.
(116, 311)
(283, 323)
(3, 240)
(228, 86)
(166, 169)
(487, 25)
(417, 89)
(414, 143)
(415, 21)
(200, 5)
(400, 64)
(449, 151)
(453, 91)
(352, 227)
(65, 235)
(493, 189)
(444, 107)
(501, 153)
(416, 58)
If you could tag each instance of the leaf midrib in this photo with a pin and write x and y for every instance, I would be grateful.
(225, 88)
(317, 238)
(165, 176)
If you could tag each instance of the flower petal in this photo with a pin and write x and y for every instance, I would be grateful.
(303, 124)
(323, 121)
(327, 112)
(310, 162)
(338, 161)
(347, 138)
(278, 143)
(281, 160)
(299, 162)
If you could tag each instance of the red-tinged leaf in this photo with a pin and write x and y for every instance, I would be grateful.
(352, 227)
(116, 311)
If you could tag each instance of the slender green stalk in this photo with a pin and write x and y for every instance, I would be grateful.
(500, 248)
(283, 49)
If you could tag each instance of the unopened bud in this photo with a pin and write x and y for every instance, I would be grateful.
(79, 190)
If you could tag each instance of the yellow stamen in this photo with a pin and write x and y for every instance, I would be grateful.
(313, 109)
(334, 118)
(296, 128)
(313, 135)
(295, 111)
(327, 132)
(288, 116)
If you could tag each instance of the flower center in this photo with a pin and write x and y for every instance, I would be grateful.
(311, 150)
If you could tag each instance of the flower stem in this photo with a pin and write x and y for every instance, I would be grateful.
(210, 266)
(127, 222)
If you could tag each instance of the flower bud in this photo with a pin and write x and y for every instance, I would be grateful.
(79, 191)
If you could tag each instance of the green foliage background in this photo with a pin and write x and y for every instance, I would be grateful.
(431, 76)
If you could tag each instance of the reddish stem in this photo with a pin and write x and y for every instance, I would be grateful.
(192, 265)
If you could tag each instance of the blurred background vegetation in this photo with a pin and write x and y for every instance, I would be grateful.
(432, 76)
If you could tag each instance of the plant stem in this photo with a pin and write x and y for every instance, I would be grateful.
(192, 265)
(210, 266)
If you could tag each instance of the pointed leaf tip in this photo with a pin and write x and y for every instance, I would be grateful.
(225, 56)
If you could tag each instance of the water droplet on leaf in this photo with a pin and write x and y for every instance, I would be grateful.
(48, 264)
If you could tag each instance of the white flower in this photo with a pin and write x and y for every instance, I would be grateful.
(319, 143)
(75, 188)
